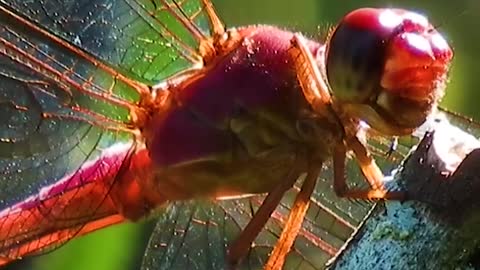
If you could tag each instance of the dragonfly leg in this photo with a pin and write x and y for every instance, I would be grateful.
(294, 221)
(222, 40)
(216, 25)
(309, 76)
(243, 243)
(370, 170)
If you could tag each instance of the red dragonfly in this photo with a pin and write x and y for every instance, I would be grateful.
(119, 110)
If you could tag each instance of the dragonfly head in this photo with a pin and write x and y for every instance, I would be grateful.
(387, 67)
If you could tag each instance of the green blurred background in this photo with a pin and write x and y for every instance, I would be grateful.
(121, 247)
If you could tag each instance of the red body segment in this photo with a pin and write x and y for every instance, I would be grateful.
(230, 132)
(255, 77)
(83, 201)
(234, 129)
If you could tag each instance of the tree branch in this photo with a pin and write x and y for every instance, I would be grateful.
(439, 227)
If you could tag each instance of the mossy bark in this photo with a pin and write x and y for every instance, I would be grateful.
(438, 227)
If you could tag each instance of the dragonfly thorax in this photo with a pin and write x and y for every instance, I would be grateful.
(239, 125)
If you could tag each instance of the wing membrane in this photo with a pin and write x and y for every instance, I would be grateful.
(146, 40)
(61, 100)
(330, 221)
(67, 88)
(50, 123)
(467, 124)
(196, 234)
(76, 204)
(71, 72)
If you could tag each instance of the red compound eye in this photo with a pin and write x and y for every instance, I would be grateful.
(391, 60)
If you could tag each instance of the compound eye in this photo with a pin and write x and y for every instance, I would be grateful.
(355, 57)
(388, 66)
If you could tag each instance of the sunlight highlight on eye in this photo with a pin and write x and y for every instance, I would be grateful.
(389, 19)
(417, 18)
(439, 42)
(419, 42)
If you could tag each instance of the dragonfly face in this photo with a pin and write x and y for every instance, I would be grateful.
(388, 67)
(119, 108)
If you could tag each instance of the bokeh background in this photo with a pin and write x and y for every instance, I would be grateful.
(121, 247)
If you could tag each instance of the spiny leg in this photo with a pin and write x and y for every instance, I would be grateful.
(221, 41)
(294, 221)
(370, 171)
(316, 92)
(309, 76)
(216, 25)
(243, 243)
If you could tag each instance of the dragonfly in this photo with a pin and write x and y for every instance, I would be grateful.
(114, 111)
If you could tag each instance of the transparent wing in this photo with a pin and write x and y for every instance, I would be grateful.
(196, 235)
(465, 123)
(66, 69)
(70, 74)
(145, 39)
(55, 114)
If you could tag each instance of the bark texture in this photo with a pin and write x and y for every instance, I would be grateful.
(439, 226)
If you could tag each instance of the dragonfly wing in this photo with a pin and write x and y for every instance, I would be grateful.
(57, 113)
(465, 123)
(190, 235)
(146, 40)
(52, 117)
(66, 70)
(71, 73)
(196, 235)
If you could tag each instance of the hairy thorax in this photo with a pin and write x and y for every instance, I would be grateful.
(239, 126)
